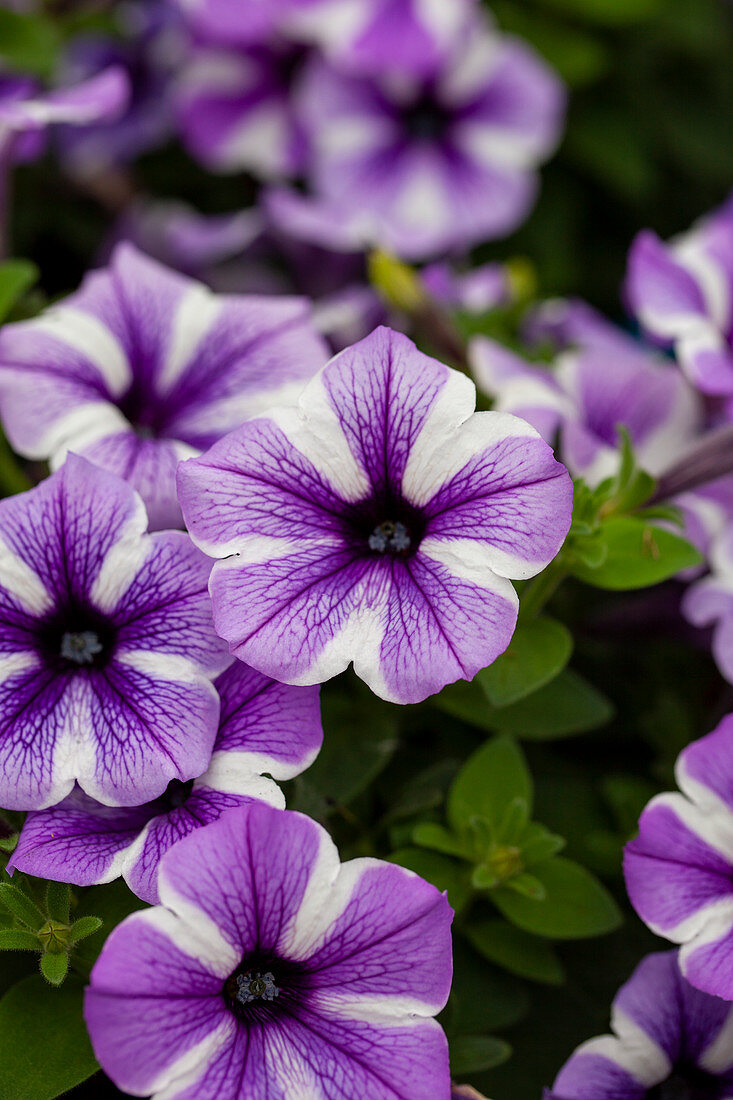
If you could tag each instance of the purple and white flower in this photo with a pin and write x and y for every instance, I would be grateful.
(264, 727)
(271, 969)
(709, 602)
(669, 1040)
(107, 648)
(22, 112)
(679, 870)
(235, 109)
(601, 379)
(378, 522)
(142, 367)
(379, 37)
(426, 166)
(682, 293)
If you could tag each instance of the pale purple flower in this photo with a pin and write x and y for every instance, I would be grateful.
(709, 602)
(107, 646)
(235, 109)
(682, 293)
(378, 522)
(679, 870)
(104, 96)
(239, 22)
(426, 166)
(478, 290)
(142, 367)
(264, 727)
(602, 379)
(377, 37)
(669, 1041)
(272, 970)
(148, 49)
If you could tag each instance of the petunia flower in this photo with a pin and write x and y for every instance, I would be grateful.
(679, 870)
(378, 522)
(235, 109)
(384, 37)
(264, 727)
(601, 379)
(25, 112)
(271, 969)
(107, 648)
(682, 293)
(424, 166)
(709, 602)
(669, 1041)
(142, 367)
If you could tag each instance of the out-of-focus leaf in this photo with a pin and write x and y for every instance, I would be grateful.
(538, 651)
(607, 12)
(16, 277)
(359, 742)
(44, 1048)
(567, 705)
(523, 954)
(575, 903)
(473, 1053)
(483, 997)
(29, 43)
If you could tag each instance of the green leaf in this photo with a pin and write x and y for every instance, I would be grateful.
(16, 277)
(9, 843)
(517, 951)
(483, 997)
(54, 967)
(539, 650)
(359, 742)
(15, 939)
(85, 926)
(576, 905)
(529, 886)
(20, 905)
(442, 871)
(639, 555)
(608, 12)
(489, 783)
(567, 705)
(111, 903)
(467, 701)
(29, 42)
(474, 1053)
(58, 901)
(431, 835)
(44, 1048)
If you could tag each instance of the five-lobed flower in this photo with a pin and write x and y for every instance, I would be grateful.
(376, 522)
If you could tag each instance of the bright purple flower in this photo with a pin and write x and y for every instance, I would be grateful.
(271, 970)
(235, 109)
(239, 22)
(377, 523)
(682, 292)
(107, 646)
(265, 727)
(423, 167)
(710, 601)
(377, 37)
(679, 870)
(669, 1042)
(105, 96)
(142, 367)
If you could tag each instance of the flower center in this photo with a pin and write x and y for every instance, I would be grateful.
(263, 987)
(176, 794)
(689, 1083)
(390, 537)
(74, 638)
(254, 986)
(426, 119)
(81, 648)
